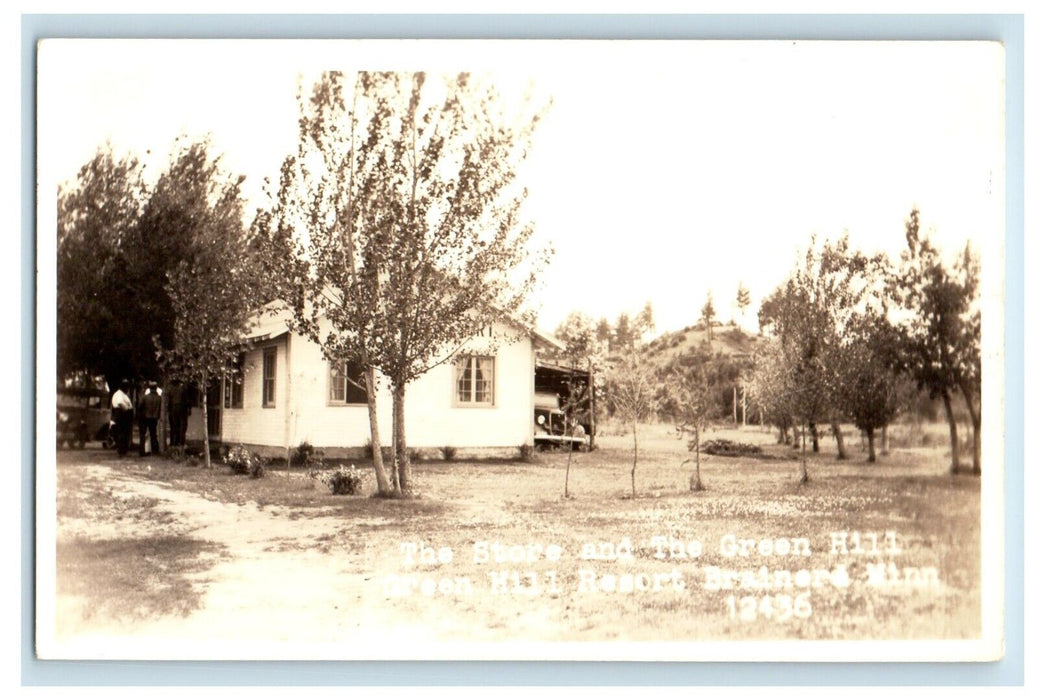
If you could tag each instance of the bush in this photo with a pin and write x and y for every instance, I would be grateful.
(243, 461)
(729, 448)
(344, 481)
(449, 453)
(526, 452)
(303, 454)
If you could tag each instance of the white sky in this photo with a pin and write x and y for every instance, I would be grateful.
(663, 170)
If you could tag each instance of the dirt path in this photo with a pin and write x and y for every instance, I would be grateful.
(279, 579)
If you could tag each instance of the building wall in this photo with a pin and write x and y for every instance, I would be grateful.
(252, 423)
(304, 413)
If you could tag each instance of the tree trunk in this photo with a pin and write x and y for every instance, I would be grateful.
(841, 453)
(384, 486)
(591, 395)
(814, 436)
(975, 420)
(205, 420)
(953, 430)
(803, 454)
(976, 445)
(871, 433)
(634, 466)
(164, 417)
(735, 406)
(403, 462)
(569, 459)
(697, 482)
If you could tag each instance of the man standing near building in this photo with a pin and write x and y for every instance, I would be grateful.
(179, 410)
(122, 416)
(151, 406)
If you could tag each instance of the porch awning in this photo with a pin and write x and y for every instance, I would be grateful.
(267, 327)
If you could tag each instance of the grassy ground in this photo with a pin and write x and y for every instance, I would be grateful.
(121, 557)
(462, 504)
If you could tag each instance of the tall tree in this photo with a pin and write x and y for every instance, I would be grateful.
(623, 334)
(809, 316)
(318, 240)
(445, 249)
(941, 328)
(215, 287)
(707, 314)
(632, 393)
(645, 322)
(873, 386)
(584, 350)
(742, 299)
(604, 333)
(97, 331)
(969, 375)
(771, 388)
(690, 403)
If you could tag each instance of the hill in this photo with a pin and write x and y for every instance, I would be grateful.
(729, 340)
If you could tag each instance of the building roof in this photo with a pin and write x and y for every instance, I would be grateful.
(271, 322)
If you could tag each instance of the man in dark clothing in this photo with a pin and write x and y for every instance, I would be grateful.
(179, 410)
(151, 409)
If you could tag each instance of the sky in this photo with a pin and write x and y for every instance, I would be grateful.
(663, 171)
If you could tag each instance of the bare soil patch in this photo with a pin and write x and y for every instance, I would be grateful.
(226, 557)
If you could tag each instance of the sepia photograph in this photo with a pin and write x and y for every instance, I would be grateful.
(596, 350)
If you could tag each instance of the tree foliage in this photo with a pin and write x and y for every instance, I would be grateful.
(771, 388)
(707, 315)
(809, 316)
(319, 238)
(99, 329)
(941, 330)
(873, 386)
(689, 401)
(214, 289)
(742, 298)
(632, 395)
(437, 241)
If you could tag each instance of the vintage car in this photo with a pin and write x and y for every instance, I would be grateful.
(549, 425)
(82, 415)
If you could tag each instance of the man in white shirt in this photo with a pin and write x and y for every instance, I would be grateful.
(122, 416)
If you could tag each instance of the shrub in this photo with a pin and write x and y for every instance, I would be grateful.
(449, 453)
(344, 481)
(303, 454)
(243, 461)
(729, 448)
(526, 452)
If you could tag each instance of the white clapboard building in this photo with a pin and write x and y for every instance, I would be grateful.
(480, 402)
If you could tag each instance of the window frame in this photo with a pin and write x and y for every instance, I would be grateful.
(234, 384)
(270, 359)
(344, 367)
(469, 360)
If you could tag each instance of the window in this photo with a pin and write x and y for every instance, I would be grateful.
(345, 384)
(270, 364)
(475, 380)
(232, 383)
